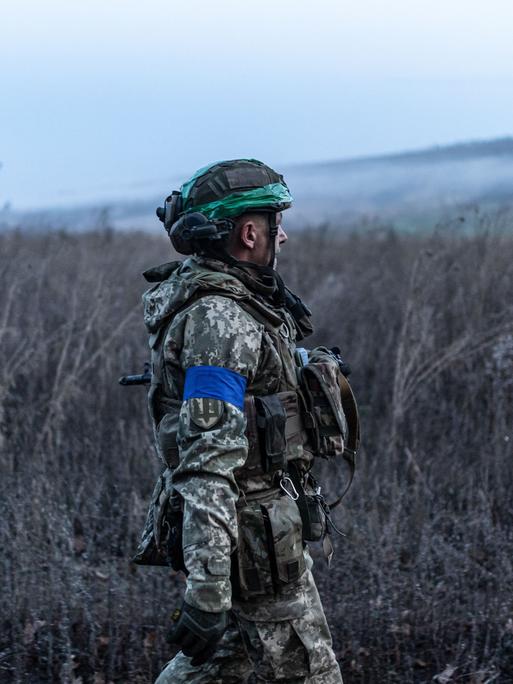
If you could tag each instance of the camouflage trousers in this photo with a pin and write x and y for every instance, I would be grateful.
(284, 639)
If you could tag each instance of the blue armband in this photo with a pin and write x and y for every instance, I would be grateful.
(214, 382)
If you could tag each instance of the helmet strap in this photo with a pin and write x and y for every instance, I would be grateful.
(273, 232)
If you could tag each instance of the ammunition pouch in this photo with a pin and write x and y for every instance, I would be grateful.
(161, 540)
(270, 550)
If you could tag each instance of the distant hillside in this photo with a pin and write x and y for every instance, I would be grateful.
(408, 189)
(481, 149)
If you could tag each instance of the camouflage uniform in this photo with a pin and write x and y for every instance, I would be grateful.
(198, 316)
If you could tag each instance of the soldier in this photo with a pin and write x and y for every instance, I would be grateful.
(237, 500)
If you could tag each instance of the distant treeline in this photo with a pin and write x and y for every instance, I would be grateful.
(420, 587)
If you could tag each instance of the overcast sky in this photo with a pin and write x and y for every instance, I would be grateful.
(112, 98)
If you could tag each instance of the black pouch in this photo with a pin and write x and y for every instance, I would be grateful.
(312, 507)
(314, 519)
(271, 420)
(174, 533)
(254, 576)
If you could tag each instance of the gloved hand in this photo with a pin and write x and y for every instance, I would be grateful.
(197, 632)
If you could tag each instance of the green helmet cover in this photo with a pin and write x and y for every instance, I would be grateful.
(230, 188)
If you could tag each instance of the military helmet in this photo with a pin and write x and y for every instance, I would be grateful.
(215, 195)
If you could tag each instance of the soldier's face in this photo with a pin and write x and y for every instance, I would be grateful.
(281, 238)
(263, 246)
(253, 242)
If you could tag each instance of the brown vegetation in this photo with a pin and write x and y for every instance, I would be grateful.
(421, 585)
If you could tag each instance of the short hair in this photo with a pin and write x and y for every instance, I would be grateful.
(258, 217)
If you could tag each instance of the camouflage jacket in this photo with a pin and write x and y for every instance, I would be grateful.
(197, 316)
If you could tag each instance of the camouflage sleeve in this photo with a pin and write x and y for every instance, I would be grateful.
(217, 334)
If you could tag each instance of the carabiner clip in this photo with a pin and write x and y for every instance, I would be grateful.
(286, 482)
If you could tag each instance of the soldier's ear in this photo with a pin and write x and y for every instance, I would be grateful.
(248, 234)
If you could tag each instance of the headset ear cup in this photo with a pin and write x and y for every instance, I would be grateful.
(194, 232)
(171, 210)
(180, 237)
(188, 230)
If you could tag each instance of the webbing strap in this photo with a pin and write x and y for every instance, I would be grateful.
(353, 438)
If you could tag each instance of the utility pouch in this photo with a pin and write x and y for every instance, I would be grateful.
(283, 521)
(271, 420)
(161, 540)
(324, 417)
(270, 550)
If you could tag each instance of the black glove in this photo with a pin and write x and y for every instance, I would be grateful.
(197, 632)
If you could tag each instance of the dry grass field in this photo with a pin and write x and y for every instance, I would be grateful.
(421, 586)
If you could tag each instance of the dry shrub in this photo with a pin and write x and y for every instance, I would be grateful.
(420, 587)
